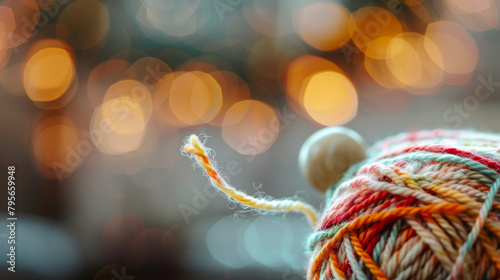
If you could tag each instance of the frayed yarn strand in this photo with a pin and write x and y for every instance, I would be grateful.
(199, 152)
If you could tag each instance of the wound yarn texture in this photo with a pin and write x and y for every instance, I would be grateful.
(423, 205)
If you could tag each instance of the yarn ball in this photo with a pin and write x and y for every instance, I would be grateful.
(423, 205)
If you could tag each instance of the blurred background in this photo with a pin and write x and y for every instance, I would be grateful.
(98, 96)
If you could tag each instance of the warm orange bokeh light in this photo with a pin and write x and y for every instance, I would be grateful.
(297, 73)
(250, 127)
(162, 91)
(148, 71)
(195, 97)
(373, 26)
(56, 147)
(118, 130)
(479, 15)
(48, 43)
(451, 47)
(44, 145)
(380, 73)
(160, 100)
(20, 22)
(233, 89)
(412, 66)
(48, 74)
(102, 76)
(128, 104)
(330, 98)
(125, 113)
(7, 26)
(323, 25)
(404, 63)
(407, 66)
(119, 125)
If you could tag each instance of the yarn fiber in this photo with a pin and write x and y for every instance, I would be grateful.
(423, 205)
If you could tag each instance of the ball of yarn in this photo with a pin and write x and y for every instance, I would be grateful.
(423, 205)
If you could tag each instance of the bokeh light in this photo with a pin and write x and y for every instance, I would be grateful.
(48, 43)
(250, 127)
(57, 146)
(19, 22)
(148, 71)
(48, 74)
(195, 97)
(296, 76)
(407, 65)
(7, 27)
(373, 25)
(233, 89)
(480, 15)
(380, 73)
(127, 100)
(118, 126)
(125, 113)
(451, 47)
(330, 98)
(404, 63)
(323, 25)
(412, 65)
(160, 97)
(102, 77)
